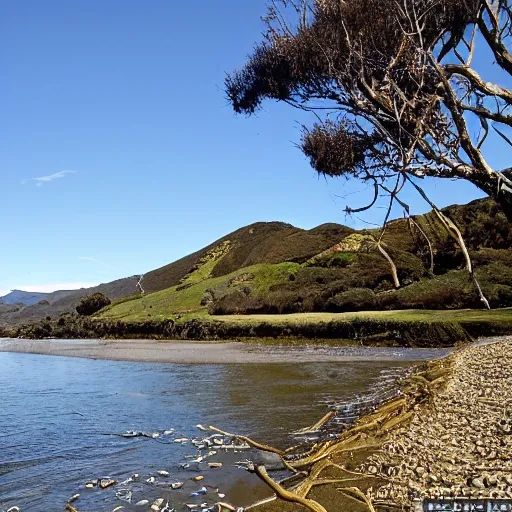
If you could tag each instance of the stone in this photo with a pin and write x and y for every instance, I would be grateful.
(271, 461)
(420, 471)
(478, 483)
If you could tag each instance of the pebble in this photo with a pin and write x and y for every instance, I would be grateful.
(459, 443)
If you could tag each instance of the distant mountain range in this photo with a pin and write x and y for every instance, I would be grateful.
(276, 267)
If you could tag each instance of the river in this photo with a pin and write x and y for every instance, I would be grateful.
(57, 414)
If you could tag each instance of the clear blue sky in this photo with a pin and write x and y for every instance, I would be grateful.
(118, 105)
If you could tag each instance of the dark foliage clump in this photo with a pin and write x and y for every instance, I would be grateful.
(92, 304)
(335, 150)
(356, 299)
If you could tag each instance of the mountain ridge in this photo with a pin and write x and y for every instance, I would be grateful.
(273, 247)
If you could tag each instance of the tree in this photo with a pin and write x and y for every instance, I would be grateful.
(92, 304)
(393, 88)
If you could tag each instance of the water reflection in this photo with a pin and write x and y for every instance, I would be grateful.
(56, 411)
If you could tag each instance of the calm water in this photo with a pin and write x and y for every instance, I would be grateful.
(55, 412)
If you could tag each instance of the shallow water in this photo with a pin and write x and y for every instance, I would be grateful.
(56, 411)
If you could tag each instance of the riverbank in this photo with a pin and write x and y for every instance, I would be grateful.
(213, 352)
(408, 328)
(447, 433)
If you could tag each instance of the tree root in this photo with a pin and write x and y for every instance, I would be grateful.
(288, 495)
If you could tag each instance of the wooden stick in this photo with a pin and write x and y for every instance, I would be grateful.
(249, 441)
(288, 495)
(360, 496)
(318, 424)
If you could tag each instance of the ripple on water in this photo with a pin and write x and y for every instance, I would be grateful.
(56, 410)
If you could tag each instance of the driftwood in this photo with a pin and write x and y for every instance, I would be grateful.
(319, 424)
(369, 433)
(287, 495)
(249, 441)
(357, 494)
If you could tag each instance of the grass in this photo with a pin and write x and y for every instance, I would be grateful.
(186, 302)
(408, 315)
(207, 263)
(419, 328)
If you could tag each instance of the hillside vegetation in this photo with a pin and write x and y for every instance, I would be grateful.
(272, 279)
(274, 269)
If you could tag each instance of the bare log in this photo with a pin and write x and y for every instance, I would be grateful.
(288, 495)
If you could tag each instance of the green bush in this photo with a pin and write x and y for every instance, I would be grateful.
(92, 304)
(333, 259)
(356, 299)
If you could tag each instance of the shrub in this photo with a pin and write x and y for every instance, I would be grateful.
(333, 259)
(450, 291)
(356, 299)
(92, 304)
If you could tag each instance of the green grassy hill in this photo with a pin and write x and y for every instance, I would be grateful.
(262, 242)
(270, 268)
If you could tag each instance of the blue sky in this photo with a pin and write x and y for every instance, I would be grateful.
(119, 152)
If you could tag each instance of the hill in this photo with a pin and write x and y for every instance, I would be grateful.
(269, 269)
(31, 298)
(273, 267)
(63, 301)
(262, 242)
(21, 297)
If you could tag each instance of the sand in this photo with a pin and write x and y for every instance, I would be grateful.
(204, 352)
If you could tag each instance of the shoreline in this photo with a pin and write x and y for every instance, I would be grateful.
(214, 352)
(411, 328)
(447, 435)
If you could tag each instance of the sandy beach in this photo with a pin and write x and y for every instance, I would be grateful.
(210, 352)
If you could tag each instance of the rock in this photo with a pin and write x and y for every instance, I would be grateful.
(420, 471)
(372, 470)
(107, 482)
(478, 483)
(271, 461)
(201, 491)
(491, 480)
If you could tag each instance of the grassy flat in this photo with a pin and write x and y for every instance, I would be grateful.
(410, 315)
